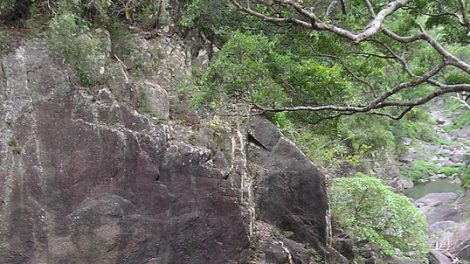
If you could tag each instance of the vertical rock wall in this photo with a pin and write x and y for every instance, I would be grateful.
(86, 179)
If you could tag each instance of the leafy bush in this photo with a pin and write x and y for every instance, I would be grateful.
(418, 124)
(465, 180)
(460, 122)
(369, 210)
(3, 37)
(421, 169)
(70, 35)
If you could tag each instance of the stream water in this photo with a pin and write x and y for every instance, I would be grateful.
(436, 186)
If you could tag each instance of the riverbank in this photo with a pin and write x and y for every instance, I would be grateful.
(438, 168)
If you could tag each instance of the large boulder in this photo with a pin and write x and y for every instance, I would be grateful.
(290, 192)
(153, 99)
(437, 257)
(85, 180)
(401, 184)
(457, 241)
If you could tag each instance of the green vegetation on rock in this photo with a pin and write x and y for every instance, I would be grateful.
(71, 36)
(3, 37)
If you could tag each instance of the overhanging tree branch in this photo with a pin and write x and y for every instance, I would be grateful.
(315, 22)
(384, 40)
(371, 108)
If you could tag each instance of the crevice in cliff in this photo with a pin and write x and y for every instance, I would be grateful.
(252, 139)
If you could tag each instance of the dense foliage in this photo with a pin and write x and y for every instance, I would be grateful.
(278, 66)
(269, 70)
(370, 211)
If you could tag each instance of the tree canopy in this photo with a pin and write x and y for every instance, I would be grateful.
(390, 55)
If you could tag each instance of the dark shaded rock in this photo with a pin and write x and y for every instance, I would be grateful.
(273, 251)
(457, 241)
(440, 122)
(342, 242)
(345, 246)
(437, 257)
(282, 250)
(290, 192)
(271, 246)
(97, 182)
(18, 13)
(396, 260)
(367, 252)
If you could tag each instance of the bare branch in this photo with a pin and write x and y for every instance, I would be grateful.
(465, 19)
(462, 101)
(368, 54)
(371, 29)
(426, 37)
(453, 60)
(269, 18)
(370, 109)
(331, 7)
(459, 17)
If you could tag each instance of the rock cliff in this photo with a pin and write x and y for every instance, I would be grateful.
(86, 179)
(122, 172)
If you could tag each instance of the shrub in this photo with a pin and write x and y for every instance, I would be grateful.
(3, 37)
(70, 35)
(421, 169)
(369, 210)
(460, 122)
(465, 180)
(418, 124)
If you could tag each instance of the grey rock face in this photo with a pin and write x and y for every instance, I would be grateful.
(290, 192)
(86, 179)
(153, 99)
(401, 183)
(437, 257)
(434, 199)
(457, 241)
(447, 216)
(118, 82)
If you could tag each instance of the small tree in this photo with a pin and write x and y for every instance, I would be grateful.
(369, 210)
